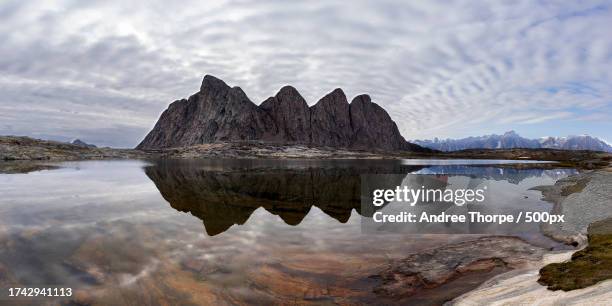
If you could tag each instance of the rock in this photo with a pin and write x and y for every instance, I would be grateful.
(15, 148)
(436, 267)
(219, 113)
(520, 287)
(80, 143)
(585, 201)
(331, 121)
(582, 199)
(373, 127)
(291, 115)
(216, 113)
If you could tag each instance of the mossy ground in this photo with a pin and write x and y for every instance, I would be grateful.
(588, 266)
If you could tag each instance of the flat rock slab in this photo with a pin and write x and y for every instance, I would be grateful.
(438, 266)
(583, 199)
(520, 287)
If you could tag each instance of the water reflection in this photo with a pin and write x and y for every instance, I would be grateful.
(223, 193)
(104, 229)
(498, 173)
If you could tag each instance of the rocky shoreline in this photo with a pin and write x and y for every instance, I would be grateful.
(259, 150)
(521, 287)
(13, 148)
(17, 148)
(586, 200)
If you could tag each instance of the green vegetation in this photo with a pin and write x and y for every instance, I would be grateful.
(588, 266)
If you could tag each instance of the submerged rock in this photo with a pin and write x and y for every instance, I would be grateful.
(436, 267)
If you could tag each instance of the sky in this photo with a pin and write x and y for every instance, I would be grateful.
(103, 71)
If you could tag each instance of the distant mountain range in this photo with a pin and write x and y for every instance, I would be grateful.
(511, 140)
(220, 113)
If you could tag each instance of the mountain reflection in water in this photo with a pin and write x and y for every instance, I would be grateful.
(223, 193)
(105, 229)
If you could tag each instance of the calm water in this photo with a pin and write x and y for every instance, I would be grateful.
(215, 232)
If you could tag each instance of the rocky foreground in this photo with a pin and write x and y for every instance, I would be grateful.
(524, 271)
(15, 148)
(521, 287)
(568, 278)
(436, 267)
(583, 199)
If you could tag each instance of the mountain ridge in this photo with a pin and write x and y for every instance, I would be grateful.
(220, 113)
(511, 139)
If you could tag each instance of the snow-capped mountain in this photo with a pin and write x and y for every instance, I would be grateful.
(512, 140)
(582, 142)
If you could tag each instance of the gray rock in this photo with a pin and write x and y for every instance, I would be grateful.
(219, 113)
(291, 115)
(582, 199)
(216, 113)
(15, 148)
(373, 127)
(433, 268)
(80, 143)
(331, 121)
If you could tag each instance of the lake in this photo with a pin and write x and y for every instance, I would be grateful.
(221, 231)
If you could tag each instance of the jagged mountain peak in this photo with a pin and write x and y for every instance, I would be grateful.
(288, 91)
(213, 83)
(363, 99)
(218, 113)
(335, 96)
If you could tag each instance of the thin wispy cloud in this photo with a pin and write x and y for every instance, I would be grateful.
(103, 71)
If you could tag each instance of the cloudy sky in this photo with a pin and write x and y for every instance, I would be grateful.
(103, 71)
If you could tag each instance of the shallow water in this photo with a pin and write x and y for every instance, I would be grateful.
(216, 231)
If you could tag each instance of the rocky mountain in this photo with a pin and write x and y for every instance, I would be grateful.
(511, 140)
(220, 113)
(80, 143)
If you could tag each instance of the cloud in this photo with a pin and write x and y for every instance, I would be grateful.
(105, 70)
